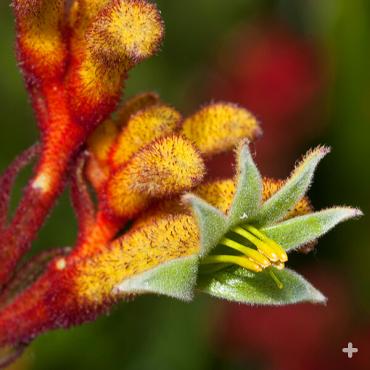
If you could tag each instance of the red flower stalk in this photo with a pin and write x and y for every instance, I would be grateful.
(74, 79)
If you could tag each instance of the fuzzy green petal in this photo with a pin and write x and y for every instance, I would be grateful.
(240, 285)
(284, 200)
(248, 195)
(175, 278)
(301, 230)
(211, 222)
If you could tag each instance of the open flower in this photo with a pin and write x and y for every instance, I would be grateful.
(243, 228)
(260, 228)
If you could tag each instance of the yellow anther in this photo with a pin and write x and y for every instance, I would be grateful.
(262, 246)
(252, 254)
(280, 252)
(235, 260)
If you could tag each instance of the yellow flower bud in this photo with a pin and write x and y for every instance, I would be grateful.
(142, 128)
(40, 37)
(126, 32)
(219, 127)
(166, 167)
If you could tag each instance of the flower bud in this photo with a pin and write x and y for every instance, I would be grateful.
(41, 46)
(126, 32)
(219, 127)
(166, 167)
(142, 128)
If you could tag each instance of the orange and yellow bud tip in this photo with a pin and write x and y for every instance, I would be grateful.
(126, 32)
(40, 37)
(219, 127)
(142, 128)
(165, 167)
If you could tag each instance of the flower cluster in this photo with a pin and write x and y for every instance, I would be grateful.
(157, 225)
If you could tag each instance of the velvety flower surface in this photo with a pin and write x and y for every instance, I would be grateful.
(154, 225)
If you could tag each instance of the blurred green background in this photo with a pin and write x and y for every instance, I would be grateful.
(159, 333)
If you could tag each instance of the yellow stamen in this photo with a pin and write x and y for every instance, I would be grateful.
(283, 257)
(240, 261)
(262, 246)
(248, 252)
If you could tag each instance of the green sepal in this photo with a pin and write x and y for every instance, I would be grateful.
(284, 200)
(240, 285)
(176, 278)
(301, 230)
(211, 222)
(248, 196)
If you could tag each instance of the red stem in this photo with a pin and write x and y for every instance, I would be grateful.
(61, 140)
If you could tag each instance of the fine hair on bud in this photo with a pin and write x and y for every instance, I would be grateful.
(125, 33)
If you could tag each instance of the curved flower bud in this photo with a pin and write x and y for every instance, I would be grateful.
(143, 120)
(126, 32)
(166, 167)
(123, 34)
(142, 128)
(219, 127)
(41, 47)
(101, 141)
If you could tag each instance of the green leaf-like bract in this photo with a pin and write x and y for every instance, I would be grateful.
(241, 285)
(211, 223)
(175, 278)
(248, 196)
(284, 200)
(301, 230)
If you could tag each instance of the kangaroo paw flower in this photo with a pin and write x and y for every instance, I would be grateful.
(154, 226)
(264, 222)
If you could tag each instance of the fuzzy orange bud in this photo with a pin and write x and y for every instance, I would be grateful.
(219, 193)
(126, 32)
(105, 47)
(101, 141)
(219, 127)
(142, 128)
(40, 37)
(168, 166)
